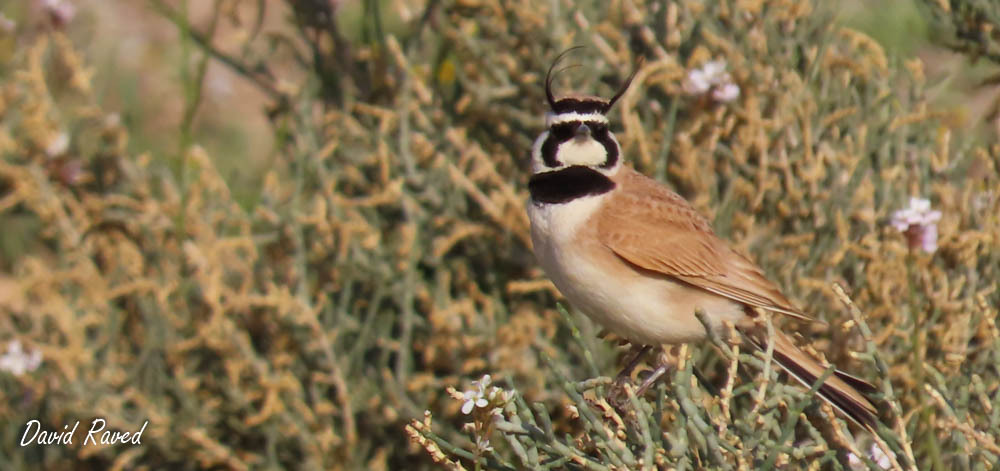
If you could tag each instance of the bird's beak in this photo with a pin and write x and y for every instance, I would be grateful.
(582, 132)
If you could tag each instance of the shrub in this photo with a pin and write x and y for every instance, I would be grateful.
(384, 257)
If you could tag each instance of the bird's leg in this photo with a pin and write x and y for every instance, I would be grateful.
(663, 364)
(626, 373)
(616, 395)
(651, 379)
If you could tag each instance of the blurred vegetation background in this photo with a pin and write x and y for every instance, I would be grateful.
(290, 233)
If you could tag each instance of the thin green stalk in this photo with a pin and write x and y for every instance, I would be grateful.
(662, 164)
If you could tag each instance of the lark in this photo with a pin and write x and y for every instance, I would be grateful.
(639, 260)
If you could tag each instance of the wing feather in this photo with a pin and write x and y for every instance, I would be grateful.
(655, 229)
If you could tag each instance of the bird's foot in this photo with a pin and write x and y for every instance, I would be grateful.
(618, 396)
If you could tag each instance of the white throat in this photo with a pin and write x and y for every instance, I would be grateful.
(589, 153)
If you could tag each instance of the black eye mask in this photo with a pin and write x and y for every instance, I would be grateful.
(562, 132)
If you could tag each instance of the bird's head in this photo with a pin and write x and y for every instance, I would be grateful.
(577, 131)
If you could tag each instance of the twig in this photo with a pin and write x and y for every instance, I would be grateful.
(206, 45)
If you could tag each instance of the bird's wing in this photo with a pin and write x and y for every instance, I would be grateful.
(655, 229)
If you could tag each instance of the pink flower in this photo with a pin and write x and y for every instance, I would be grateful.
(61, 12)
(7, 25)
(726, 93)
(71, 172)
(712, 78)
(918, 222)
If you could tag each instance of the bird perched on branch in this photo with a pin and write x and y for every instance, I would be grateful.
(638, 259)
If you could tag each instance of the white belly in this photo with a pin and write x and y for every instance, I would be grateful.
(641, 308)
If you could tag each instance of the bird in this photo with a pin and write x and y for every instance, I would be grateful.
(638, 259)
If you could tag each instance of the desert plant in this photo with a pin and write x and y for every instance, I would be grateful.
(334, 318)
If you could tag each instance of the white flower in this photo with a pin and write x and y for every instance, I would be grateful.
(17, 362)
(876, 454)
(483, 444)
(919, 223)
(484, 396)
(58, 145)
(472, 399)
(477, 397)
(854, 461)
(712, 77)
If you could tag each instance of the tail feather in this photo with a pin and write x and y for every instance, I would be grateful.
(841, 390)
(861, 385)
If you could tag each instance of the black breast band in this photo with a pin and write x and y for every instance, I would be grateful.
(568, 184)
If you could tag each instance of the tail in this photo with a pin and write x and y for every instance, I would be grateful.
(841, 390)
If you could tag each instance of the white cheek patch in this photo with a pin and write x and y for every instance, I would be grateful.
(589, 153)
(537, 164)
